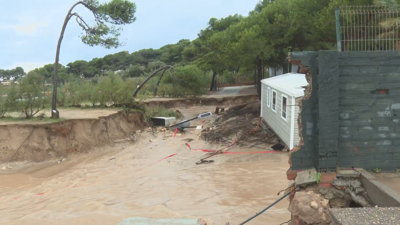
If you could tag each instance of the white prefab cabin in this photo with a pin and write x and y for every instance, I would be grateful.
(278, 105)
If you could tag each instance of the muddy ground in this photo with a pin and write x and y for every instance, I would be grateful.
(128, 179)
(392, 180)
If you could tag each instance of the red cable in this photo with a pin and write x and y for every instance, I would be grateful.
(258, 126)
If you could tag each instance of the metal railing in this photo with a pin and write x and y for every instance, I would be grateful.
(368, 28)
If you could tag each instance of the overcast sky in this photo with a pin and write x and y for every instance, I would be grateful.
(29, 29)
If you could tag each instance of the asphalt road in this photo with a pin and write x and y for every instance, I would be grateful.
(239, 90)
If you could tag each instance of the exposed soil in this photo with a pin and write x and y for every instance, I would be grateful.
(40, 142)
(239, 123)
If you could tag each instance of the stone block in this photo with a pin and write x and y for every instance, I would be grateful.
(377, 136)
(396, 142)
(383, 156)
(346, 123)
(306, 177)
(361, 136)
(348, 174)
(380, 121)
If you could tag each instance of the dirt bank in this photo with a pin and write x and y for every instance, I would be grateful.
(40, 142)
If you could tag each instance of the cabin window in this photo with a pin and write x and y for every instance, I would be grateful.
(274, 101)
(284, 107)
(268, 97)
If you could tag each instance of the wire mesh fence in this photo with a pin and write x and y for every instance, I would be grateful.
(369, 28)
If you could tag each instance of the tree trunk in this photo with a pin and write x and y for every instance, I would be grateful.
(255, 75)
(259, 76)
(152, 75)
(54, 112)
(212, 86)
(158, 83)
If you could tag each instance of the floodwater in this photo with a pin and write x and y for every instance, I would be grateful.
(137, 180)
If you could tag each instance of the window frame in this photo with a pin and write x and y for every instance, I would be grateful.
(269, 97)
(286, 113)
(272, 100)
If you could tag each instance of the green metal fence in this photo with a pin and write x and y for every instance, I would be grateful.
(368, 28)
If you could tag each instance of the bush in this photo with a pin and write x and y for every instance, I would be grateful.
(228, 77)
(3, 108)
(187, 81)
(11, 102)
(88, 93)
(32, 94)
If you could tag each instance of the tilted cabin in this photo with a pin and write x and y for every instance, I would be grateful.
(278, 105)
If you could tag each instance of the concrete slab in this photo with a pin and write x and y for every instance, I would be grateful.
(348, 174)
(152, 221)
(306, 177)
(380, 194)
(365, 216)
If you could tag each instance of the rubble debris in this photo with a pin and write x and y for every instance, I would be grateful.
(204, 161)
(5, 167)
(188, 139)
(358, 199)
(353, 187)
(235, 124)
(310, 208)
(61, 160)
(218, 112)
(306, 177)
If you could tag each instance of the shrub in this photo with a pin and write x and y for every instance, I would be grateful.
(32, 94)
(3, 108)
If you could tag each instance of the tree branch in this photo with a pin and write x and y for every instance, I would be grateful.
(82, 23)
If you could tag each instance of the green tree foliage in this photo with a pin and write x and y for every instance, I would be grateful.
(3, 108)
(16, 72)
(188, 81)
(105, 31)
(12, 100)
(172, 54)
(32, 94)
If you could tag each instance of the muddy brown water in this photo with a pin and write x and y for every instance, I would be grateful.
(113, 183)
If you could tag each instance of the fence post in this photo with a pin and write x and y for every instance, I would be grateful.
(338, 33)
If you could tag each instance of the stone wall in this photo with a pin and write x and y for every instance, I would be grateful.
(352, 118)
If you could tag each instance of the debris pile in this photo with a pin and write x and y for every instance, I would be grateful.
(353, 187)
(310, 207)
(344, 190)
(236, 124)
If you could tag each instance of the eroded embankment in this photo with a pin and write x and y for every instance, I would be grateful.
(40, 142)
(202, 101)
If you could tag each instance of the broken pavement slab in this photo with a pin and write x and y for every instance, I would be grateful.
(153, 221)
(306, 177)
(349, 174)
(362, 216)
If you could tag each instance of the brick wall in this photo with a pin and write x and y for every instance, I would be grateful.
(369, 121)
(347, 122)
